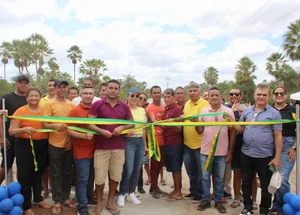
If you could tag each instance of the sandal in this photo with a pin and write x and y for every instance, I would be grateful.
(235, 204)
(148, 182)
(56, 209)
(163, 182)
(28, 212)
(114, 211)
(44, 205)
(94, 212)
(45, 194)
(69, 204)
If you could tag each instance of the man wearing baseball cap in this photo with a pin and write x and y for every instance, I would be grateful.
(13, 101)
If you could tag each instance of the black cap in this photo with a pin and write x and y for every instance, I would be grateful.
(23, 77)
(59, 81)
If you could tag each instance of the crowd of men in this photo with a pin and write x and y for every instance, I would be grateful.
(97, 158)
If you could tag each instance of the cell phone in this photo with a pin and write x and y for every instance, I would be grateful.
(272, 168)
(242, 107)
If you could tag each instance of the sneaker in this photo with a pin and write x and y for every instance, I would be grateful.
(221, 209)
(156, 194)
(162, 193)
(132, 198)
(204, 204)
(141, 190)
(272, 211)
(121, 200)
(151, 191)
(92, 202)
(82, 213)
(227, 195)
(246, 212)
(196, 199)
(188, 196)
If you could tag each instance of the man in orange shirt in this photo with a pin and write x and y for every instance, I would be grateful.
(60, 147)
(155, 112)
(83, 149)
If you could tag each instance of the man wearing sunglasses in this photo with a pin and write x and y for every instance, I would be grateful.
(261, 142)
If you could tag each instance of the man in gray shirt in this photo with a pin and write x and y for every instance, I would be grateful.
(261, 148)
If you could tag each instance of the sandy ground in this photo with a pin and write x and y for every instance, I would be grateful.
(151, 206)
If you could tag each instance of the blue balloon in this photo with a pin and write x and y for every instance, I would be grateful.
(297, 213)
(295, 202)
(3, 194)
(16, 210)
(287, 198)
(6, 205)
(288, 209)
(17, 199)
(3, 187)
(2, 213)
(14, 188)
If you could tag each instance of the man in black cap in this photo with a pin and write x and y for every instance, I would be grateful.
(13, 101)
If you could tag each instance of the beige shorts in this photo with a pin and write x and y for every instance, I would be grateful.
(108, 160)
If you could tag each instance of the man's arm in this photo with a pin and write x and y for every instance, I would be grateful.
(278, 148)
(231, 133)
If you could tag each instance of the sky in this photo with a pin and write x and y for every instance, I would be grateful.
(157, 41)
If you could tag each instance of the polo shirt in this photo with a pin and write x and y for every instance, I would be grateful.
(191, 138)
(171, 137)
(158, 112)
(259, 139)
(82, 148)
(43, 101)
(102, 109)
(288, 129)
(210, 132)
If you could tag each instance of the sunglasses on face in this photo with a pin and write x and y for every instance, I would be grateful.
(234, 94)
(279, 93)
(132, 96)
(142, 99)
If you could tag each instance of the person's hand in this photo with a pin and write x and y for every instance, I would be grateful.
(130, 133)
(106, 134)
(6, 142)
(235, 106)
(29, 130)
(291, 155)
(68, 146)
(145, 150)
(195, 119)
(228, 157)
(276, 163)
(61, 127)
(118, 130)
(89, 136)
(3, 112)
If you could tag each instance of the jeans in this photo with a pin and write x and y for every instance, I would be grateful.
(192, 164)
(84, 169)
(285, 170)
(134, 151)
(218, 167)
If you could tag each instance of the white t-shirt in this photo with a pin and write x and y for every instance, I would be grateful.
(78, 99)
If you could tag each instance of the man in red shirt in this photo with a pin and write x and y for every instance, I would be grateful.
(173, 143)
(83, 150)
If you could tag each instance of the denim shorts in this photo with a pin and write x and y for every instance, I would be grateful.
(174, 158)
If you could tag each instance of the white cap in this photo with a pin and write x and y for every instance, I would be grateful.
(275, 182)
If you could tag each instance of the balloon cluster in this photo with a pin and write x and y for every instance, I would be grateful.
(291, 204)
(11, 200)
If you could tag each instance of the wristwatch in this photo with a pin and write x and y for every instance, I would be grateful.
(294, 147)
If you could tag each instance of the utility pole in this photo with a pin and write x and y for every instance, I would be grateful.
(168, 82)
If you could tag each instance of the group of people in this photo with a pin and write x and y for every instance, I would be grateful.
(118, 151)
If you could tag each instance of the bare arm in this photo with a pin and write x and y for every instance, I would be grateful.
(278, 148)
(16, 131)
(79, 135)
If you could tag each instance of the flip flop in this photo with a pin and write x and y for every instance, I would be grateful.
(44, 205)
(163, 182)
(94, 212)
(114, 211)
(56, 209)
(172, 198)
(148, 182)
(69, 204)
(235, 204)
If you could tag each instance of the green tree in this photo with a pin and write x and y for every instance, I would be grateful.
(5, 54)
(21, 52)
(75, 54)
(211, 75)
(244, 78)
(50, 75)
(291, 44)
(129, 81)
(53, 65)
(93, 68)
(5, 87)
(275, 64)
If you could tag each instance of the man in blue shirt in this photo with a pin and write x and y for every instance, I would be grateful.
(261, 143)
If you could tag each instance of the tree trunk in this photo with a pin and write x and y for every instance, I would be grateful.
(74, 73)
(4, 74)
(27, 71)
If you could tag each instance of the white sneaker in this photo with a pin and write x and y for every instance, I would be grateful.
(121, 200)
(132, 198)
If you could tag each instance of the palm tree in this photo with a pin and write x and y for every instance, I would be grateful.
(93, 68)
(291, 44)
(21, 52)
(53, 66)
(275, 64)
(75, 54)
(211, 75)
(5, 53)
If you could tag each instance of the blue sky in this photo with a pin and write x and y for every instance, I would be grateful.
(154, 40)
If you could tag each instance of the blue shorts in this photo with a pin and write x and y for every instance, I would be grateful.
(174, 158)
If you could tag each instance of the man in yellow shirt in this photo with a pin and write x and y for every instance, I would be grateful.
(60, 147)
(192, 143)
(51, 93)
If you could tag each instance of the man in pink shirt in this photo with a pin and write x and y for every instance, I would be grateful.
(223, 152)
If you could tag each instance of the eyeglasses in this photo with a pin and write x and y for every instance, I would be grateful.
(132, 96)
(262, 94)
(142, 99)
(236, 94)
(279, 93)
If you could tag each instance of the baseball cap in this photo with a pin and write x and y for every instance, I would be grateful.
(133, 90)
(275, 182)
(23, 77)
(59, 81)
